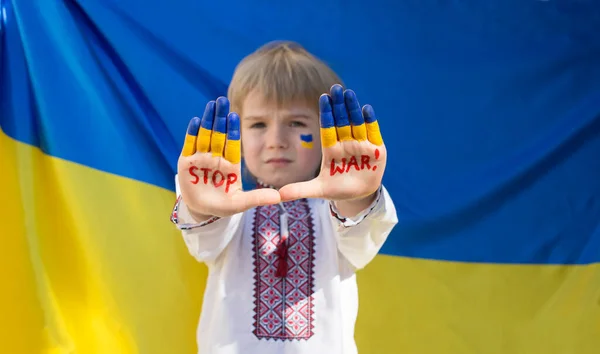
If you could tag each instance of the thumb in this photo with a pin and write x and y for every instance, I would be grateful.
(242, 201)
(308, 189)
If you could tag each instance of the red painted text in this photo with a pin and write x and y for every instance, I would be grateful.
(218, 178)
(346, 165)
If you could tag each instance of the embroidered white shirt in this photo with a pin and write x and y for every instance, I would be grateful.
(295, 294)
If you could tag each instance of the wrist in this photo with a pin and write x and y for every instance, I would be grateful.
(199, 217)
(351, 207)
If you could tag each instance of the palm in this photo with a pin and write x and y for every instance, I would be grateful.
(351, 169)
(202, 177)
(209, 167)
(354, 156)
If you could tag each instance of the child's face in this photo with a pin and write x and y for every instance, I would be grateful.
(271, 141)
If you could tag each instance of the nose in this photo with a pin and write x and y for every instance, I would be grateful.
(276, 137)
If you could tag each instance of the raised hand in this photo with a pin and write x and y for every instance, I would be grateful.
(209, 168)
(354, 156)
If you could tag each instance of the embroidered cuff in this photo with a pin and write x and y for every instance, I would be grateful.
(187, 226)
(349, 222)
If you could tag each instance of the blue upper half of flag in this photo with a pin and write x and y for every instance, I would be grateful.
(490, 110)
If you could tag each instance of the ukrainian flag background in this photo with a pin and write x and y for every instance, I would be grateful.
(490, 111)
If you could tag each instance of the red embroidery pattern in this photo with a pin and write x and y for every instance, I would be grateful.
(175, 218)
(283, 306)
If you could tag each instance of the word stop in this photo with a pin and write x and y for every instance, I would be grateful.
(218, 178)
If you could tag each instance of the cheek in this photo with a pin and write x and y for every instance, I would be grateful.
(250, 151)
(310, 157)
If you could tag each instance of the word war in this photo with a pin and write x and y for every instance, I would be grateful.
(218, 178)
(346, 165)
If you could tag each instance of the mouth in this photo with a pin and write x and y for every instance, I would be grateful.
(278, 161)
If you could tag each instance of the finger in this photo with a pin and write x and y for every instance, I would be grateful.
(308, 189)
(245, 200)
(328, 133)
(373, 133)
(217, 141)
(359, 130)
(339, 113)
(203, 141)
(189, 144)
(233, 151)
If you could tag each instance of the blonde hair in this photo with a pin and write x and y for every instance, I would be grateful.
(282, 72)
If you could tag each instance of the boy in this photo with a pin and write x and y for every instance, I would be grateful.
(282, 258)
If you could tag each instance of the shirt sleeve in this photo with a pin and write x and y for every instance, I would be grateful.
(208, 239)
(360, 238)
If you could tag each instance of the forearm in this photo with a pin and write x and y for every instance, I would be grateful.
(360, 238)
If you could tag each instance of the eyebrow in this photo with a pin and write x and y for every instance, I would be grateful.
(287, 116)
(252, 117)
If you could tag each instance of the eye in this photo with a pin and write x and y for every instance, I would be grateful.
(257, 125)
(297, 124)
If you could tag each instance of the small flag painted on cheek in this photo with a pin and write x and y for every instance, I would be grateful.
(306, 140)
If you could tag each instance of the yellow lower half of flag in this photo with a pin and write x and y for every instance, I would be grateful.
(434, 307)
(306, 144)
(89, 263)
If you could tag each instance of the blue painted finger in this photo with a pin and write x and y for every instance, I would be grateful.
(189, 145)
(206, 125)
(222, 110)
(373, 132)
(325, 112)
(353, 107)
(233, 151)
(233, 126)
(339, 107)
(217, 141)
(359, 129)
(208, 116)
(340, 114)
(193, 126)
(369, 114)
(328, 131)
